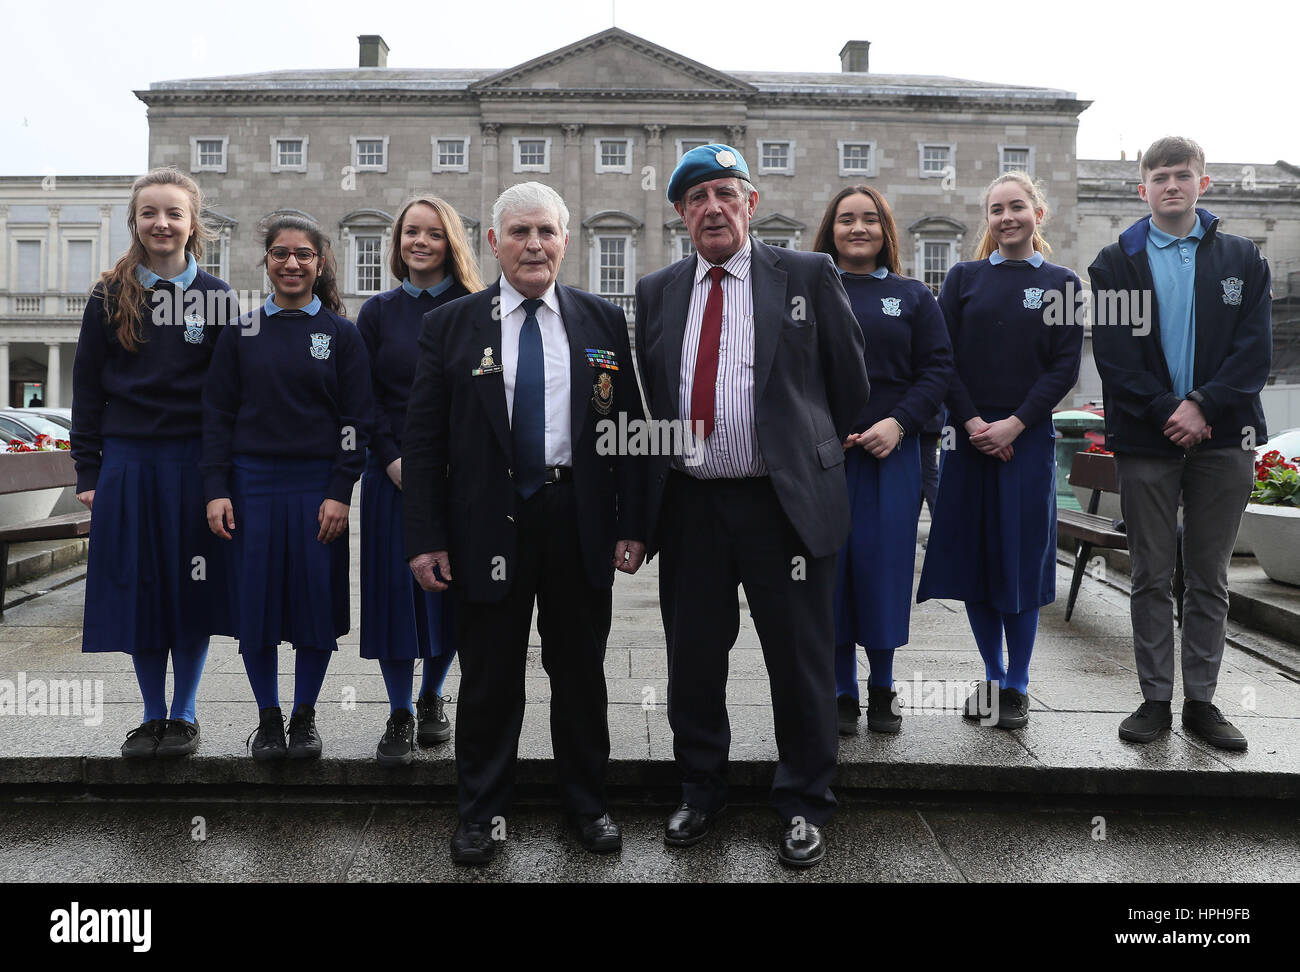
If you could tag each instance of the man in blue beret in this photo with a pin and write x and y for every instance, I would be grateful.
(758, 349)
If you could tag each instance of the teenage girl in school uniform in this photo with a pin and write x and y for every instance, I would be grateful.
(993, 536)
(154, 574)
(286, 410)
(400, 621)
(909, 361)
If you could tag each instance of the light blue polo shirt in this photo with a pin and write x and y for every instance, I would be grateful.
(1034, 261)
(1173, 269)
(183, 279)
(433, 291)
(271, 308)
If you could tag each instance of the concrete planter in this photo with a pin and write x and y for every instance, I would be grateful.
(32, 504)
(1273, 532)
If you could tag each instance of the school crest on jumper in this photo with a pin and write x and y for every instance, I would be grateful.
(602, 394)
(1033, 297)
(320, 346)
(1232, 291)
(194, 327)
(891, 306)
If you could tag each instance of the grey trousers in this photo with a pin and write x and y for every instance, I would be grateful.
(1215, 485)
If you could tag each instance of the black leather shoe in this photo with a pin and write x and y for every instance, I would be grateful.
(304, 740)
(397, 746)
(142, 741)
(1013, 709)
(267, 740)
(435, 727)
(1147, 723)
(472, 843)
(982, 704)
(600, 835)
(847, 709)
(689, 825)
(882, 711)
(180, 738)
(802, 845)
(1204, 721)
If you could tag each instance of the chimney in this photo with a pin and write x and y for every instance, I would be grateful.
(374, 52)
(853, 56)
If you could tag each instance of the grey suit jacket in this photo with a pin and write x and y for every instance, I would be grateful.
(810, 381)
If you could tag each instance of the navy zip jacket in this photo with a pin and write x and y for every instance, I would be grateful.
(156, 390)
(1233, 349)
(294, 386)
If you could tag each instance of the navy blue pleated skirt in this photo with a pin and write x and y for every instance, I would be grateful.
(993, 536)
(399, 619)
(873, 583)
(147, 590)
(288, 586)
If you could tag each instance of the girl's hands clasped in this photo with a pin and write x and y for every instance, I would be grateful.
(995, 438)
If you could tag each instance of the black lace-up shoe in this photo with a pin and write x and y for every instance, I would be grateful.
(142, 741)
(882, 710)
(1204, 721)
(847, 711)
(1013, 709)
(435, 727)
(180, 738)
(1147, 723)
(304, 740)
(267, 740)
(397, 747)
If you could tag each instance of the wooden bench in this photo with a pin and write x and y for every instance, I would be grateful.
(37, 470)
(1100, 473)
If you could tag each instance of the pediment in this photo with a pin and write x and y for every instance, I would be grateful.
(610, 62)
(777, 221)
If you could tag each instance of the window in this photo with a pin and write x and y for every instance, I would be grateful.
(208, 154)
(79, 270)
(1015, 157)
(289, 154)
(782, 241)
(370, 154)
(857, 158)
(451, 153)
(368, 263)
(684, 145)
(685, 248)
(613, 264)
(613, 155)
(532, 154)
(214, 254)
(936, 258)
(935, 159)
(29, 267)
(776, 158)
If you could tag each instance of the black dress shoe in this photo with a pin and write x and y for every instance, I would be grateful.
(1204, 721)
(472, 843)
(689, 825)
(1013, 709)
(802, 845)
(142, 741)
(847, 710)
(882, 713)
(397, 746)
(599, 835)
(267, 740)
(435, 727)
(1147, 723)
(981, 706)
(304, 740)
(180, 738)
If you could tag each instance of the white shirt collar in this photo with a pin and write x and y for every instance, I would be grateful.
(511, 299)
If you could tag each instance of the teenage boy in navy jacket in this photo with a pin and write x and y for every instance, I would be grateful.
(1181, 373)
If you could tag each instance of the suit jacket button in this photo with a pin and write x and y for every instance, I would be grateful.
(510, 518)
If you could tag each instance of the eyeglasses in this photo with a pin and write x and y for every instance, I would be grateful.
(280, 254)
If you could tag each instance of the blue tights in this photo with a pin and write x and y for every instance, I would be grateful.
(398, 675)
(988, 625)
(309, 668)
(187, 669)
(881, 663)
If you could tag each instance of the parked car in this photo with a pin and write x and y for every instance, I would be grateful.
(62, 416)
(26, 424)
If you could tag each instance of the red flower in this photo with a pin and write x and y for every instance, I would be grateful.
(1262, 475)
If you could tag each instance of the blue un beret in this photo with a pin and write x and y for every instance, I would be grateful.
(703, 164)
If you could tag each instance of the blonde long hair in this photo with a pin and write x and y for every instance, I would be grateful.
(1034, 192)
(460, 260)
(120, 288)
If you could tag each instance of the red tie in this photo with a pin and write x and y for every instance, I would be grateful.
(706, 357)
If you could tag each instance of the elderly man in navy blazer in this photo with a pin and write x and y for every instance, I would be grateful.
(757, 347)
(508, 500)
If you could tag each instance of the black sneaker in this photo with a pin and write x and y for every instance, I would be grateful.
(304, 740)
(1204, 721)
(397, 747)
(1147, 723)
(1013, 709)
(267, 740)
(142, 741)
(180, 738)
(435, 727)
(847, 710)
(982, 706)
(882, 711)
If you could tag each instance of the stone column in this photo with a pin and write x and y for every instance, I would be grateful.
(53, 372)
(654, 185)
(105, 238)
(574, 271)
(52, 260)
(4, 374)
(11, 284)
(491, 188)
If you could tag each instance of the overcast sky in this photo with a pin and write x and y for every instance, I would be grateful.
(1222, 73)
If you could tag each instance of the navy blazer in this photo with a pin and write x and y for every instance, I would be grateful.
(458, 489)
(810, 381)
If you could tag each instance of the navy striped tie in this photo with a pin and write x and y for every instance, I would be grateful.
(528, 427)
